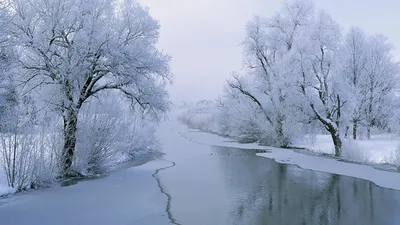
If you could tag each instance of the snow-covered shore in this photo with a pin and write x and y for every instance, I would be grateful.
(306, 161)
(380, 149)
(129, 196)
(134, 196)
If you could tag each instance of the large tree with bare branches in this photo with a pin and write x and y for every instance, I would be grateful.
(78, 49)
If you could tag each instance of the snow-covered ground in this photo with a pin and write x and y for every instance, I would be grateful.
(39, 159)
(129, 196)
(377, 150)
(4, 189)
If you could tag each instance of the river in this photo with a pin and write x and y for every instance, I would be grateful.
(234, 186)
(198, 184)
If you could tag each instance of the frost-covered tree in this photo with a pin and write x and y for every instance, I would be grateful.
(319, 82)
(353, 63)
(241, 116)
(370, 72)
(381, 80)
(76, 49)
(299, 69)
(268, 51)
(8, 95)
(292, 71)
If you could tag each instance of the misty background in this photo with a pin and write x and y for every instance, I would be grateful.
(204, 37)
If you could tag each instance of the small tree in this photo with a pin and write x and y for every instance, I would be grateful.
(381, 80)
(353, 63)
(78, 49)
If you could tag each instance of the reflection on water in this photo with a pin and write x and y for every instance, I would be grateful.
(236, 187)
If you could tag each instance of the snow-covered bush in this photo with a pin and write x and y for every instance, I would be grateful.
(351, 151)
(30, 160)
(224, 119)
(97, 141)
(235, 119)
(239, 121)
(142, 139)
(394, 157)
(203, 116)
(108, 133)
(17, 153)
(48, 154)
(28, 148)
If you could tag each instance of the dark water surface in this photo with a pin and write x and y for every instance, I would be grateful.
(233, 186)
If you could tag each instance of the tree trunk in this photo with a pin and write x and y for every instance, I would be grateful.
(15, 148)
(370, 108)
(346, 132)
(284, 142)
(355, 126)
(337, 142)
(70, 127)
(335, 133)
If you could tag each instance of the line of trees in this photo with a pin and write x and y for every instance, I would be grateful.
(301, 71)
(61, 59)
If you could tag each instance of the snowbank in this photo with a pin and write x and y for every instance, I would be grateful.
(5, 190)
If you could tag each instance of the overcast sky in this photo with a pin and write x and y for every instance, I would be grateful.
(203, 36)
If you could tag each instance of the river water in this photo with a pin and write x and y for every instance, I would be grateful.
(234, 186)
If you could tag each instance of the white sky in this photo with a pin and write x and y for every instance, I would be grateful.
(203, 36)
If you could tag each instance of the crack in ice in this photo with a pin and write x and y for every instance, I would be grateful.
(169, 197)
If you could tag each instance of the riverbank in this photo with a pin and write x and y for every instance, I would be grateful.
(382, 178)
(222, 184)
(127, 196)
(230, 185)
